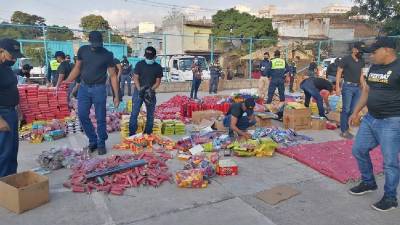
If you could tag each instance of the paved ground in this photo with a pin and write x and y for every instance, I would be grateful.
(227, 200)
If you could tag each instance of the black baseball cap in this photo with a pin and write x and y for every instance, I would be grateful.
(250, 103)
(11, 46)
(96, 39)
(359, 45)
(382, 42)
(27, 67)
(150, 53)
(59, 54)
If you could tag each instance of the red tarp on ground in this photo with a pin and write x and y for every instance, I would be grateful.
(333, 159)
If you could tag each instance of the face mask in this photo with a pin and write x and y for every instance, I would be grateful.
(9, 63)
(149, 61)
(266, 59)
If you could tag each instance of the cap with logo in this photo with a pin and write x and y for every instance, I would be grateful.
(359, 45)
(382, 42)
(11, 46)
(96, 39)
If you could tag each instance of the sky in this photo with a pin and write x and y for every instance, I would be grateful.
(130, 12)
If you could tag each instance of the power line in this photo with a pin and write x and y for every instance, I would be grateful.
(163, 5)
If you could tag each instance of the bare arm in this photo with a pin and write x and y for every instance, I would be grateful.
(338, 78)
(363, 99)
(233, 126)
(60, 80)
(75, 72)
(157, 84)
(113, 79)
(119, 67)
(136, 81)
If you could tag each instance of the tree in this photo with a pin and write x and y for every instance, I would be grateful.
(94, 22)
(384, 12)
(233, 23)
(19, 17)
(59, 33)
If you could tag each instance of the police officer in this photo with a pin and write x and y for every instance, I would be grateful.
(312, 87)
(147, 78)
(126, 76)
(381, 126)
(9, 99)
(52, 76)
(92, 64)
(215, 73)
(277, 73)
(240, 117)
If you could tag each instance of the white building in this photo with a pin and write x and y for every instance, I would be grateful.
(336, 8)
(267, 12)
(242, 8)
(146, 27)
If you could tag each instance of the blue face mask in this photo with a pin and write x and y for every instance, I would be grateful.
(149, 61)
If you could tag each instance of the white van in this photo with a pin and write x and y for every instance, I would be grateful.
(180, 67)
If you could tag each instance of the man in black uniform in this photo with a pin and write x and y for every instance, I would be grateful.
(64, 69)
(351, 68)
(331, 71)
(9, 99)
(240, 117)
(126, 76)
(312, 87)
(381, 126)
(92, 64)
(147, 77)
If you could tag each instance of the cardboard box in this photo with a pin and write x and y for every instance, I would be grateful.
(23, 191)
(297, 119)
(198, 116)
(318, 124)
(334, 116)
(219, 126)
(263, 122)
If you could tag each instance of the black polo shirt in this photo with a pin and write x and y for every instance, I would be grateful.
(384, 90)
(95, 64)
(8, 87)
(148, 73)
(64, 68)
(351, 69)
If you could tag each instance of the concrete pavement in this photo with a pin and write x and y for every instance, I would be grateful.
(227, 200)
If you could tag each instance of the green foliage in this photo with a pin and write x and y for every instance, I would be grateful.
(233, 23)
(36, 54)
(19, 17)
(115, 38)
(94, 22)
(383, 12)
(59, 33)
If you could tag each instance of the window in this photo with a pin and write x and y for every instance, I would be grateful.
(149, 43)
(161, 46)
(302, 24)
(175, 64)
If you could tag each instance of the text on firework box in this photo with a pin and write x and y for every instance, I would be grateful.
(318, 124)
(198, 116)
(297, 119)
(23, 191)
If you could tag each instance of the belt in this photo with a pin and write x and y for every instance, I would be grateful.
(351, 83)
(91, 85)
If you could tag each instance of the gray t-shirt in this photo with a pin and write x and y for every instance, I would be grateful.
(351, 69)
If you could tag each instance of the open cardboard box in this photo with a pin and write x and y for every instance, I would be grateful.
(23, 191)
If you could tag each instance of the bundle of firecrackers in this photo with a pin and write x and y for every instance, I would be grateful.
(263, 147)
(57, 158)
(113, 178)
(39, 131)
(197, 171)
(143, 142)
(173, 127)
(287, 137)
(186, 143)
(43, 103)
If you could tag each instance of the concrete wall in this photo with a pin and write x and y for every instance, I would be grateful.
(341, 34)
(174, 42)
(198, 40)
(223, 85)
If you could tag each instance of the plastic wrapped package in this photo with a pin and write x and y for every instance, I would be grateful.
(191, 178)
